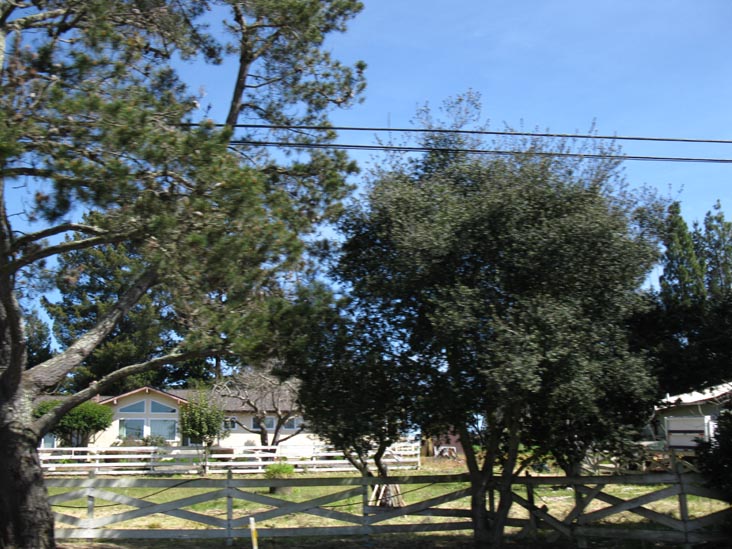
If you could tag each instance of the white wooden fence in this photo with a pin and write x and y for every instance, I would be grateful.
(225, 508)
(159, 460)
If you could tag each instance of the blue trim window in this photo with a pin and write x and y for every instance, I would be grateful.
(134, 408)
(160, 408)
(269, 423)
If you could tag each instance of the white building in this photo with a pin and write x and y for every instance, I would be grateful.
(152, 413)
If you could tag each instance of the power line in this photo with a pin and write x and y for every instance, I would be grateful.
(497, 152)
(505, 133)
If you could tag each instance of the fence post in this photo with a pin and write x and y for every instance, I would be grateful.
(229, 509)
(151, 459)
(90, 500)
(683, 504)
(531, 529)
(365, 503)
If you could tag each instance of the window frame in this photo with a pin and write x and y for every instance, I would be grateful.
(256, 426)
(123, 425)
(165, 420)
(296, 424)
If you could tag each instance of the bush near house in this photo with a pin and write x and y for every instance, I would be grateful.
(80, 423)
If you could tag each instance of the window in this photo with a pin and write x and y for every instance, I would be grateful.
(48, 441)
(230, 423)
(293, 423)
(159, 408)
(165, 428)
(269, 423)
(132, 428)
(134, 408)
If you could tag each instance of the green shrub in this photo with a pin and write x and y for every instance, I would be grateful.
(715, 456)
(279, 469)
(78, 424)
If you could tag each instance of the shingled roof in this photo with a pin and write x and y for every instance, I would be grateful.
(229, 403)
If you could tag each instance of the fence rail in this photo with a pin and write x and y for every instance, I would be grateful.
(147, 460)
(600, 507)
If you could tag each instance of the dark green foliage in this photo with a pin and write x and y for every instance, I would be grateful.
(38, 339)
(509, 282)
(715, 456)
(355, 390)
(78, 425)
(687, 326)
(90, 282)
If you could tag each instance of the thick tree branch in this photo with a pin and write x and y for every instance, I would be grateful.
(28, 171)
(49, 373)
(57, 229)
(35, 20)
(12, 337)
(64, 247)
(45, 423)
(282, 439)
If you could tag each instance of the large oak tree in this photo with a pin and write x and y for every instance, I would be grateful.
(509, 281)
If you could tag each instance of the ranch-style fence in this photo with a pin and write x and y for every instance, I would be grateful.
(594, 508)
(168, 460)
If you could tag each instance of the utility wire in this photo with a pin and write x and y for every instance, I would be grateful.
(505, 133)
(499, 152)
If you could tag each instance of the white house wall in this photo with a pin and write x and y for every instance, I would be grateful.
(237, 437)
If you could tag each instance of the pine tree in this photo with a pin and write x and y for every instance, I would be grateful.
(95, 120)
(688, 325)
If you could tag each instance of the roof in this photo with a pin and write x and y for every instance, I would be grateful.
(229, 403)
(698, 397)
(145, 390)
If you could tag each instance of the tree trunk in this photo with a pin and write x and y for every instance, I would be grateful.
(479, 515)
(26, 521)
(501, 516)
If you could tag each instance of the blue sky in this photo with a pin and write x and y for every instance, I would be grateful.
(634, 67)
(641, 68)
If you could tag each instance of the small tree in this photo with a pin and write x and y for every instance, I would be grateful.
(262, 393)
(78, 425)
(715, 456)
(202, 421)
(355, 389)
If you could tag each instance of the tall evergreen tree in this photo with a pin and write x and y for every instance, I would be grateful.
(94, 119)
(39, 344)
(687, 327)
(713, 241)
(682, 281)
(89, 280)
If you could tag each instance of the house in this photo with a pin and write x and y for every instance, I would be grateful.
(681, 419)
(148, 412)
